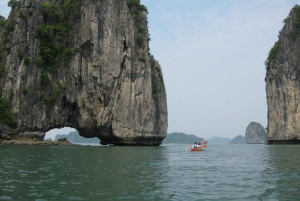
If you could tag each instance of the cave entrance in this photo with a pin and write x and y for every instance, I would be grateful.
(71, 134)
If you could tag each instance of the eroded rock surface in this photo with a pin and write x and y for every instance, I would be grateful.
(283, 83)
(86, 65)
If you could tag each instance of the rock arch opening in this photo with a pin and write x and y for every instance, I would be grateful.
(69, 134)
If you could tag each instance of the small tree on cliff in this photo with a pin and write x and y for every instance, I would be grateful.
(12, 3)
(6, 116)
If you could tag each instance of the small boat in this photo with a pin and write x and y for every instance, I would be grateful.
(201, 148)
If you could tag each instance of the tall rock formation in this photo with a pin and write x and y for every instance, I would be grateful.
(283, 83)
(255, 134)
(85, 65)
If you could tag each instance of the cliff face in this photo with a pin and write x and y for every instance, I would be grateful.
(86, 65)
(283, 83)
(255, 134)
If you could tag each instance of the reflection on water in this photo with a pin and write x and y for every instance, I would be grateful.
(221, 172)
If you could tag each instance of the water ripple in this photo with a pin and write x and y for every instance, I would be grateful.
(221, 172)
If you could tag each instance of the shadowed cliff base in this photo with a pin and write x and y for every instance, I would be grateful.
(140, 141)
(30, 142)
(282, 142)
(85, 65)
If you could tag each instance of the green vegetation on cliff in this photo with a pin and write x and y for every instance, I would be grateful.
(272, 54)
(6, 115)
(295, 34)
(12, 3)
(155, 70)
(56, 47)
(2, 22)
(5, 29)
(136, 9)
(55, 35)
(154, 87)
(136, 4)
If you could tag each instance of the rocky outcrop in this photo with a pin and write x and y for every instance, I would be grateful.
(4, 129)
(59, 136)
(6, 133)
(255, 134)
(85, 65)
(238, 140)
(29, 142)
(283, 83)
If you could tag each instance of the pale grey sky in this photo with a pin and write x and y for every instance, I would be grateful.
(212, 54)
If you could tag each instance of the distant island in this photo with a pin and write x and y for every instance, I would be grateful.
(181, 138)
(74, 137)
(238, 140)
(218, 140)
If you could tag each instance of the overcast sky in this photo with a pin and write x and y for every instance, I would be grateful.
(212, 54)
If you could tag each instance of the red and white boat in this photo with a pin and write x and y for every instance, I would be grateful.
(201, 148)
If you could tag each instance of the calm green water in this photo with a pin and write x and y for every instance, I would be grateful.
(221, 172)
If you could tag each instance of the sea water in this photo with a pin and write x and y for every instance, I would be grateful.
(168, 172)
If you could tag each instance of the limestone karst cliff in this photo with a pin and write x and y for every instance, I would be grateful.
(82, 64)
(255, 134)
(283, 83)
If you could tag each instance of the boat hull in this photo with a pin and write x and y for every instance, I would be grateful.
(197, 149)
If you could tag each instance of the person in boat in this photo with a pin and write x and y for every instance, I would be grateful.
(196, 145)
